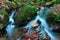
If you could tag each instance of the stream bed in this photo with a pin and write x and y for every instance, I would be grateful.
(41, 16)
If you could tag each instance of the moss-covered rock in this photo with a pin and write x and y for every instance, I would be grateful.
(54, 22)
(11, 5)
(25, 15)
(53, 18)
(3, 17)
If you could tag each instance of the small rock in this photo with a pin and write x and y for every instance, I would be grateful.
(1, 17)
(35, 25)
(1, 26)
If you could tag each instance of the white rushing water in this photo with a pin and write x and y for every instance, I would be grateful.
(42, 17)
(11, 26)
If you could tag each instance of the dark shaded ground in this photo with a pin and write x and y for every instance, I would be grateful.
(57, 35)
(17, 35)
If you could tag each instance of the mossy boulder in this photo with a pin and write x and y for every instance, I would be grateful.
(11, 5)
(4, 19)
(54, 22)
(53, 18)
(25, 15)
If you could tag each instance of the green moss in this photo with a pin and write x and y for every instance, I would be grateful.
(5, 19)
(11, 5)
(25, 15)
(3, 12)
(56, 1)
(53, 18)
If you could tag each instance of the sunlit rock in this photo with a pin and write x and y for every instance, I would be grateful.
(3, 5)
(34, 25)
(49, 4)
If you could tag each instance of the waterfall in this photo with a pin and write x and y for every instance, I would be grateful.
(11, 26)
(42, 17)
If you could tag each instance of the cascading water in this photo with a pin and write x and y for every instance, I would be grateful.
(42, 17)
(11, 26)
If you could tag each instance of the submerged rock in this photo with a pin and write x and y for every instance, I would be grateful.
(32, 36)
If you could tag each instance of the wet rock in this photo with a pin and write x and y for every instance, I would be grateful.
(32, 36)
(23, 30)
(47, 38)
(55, 28)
